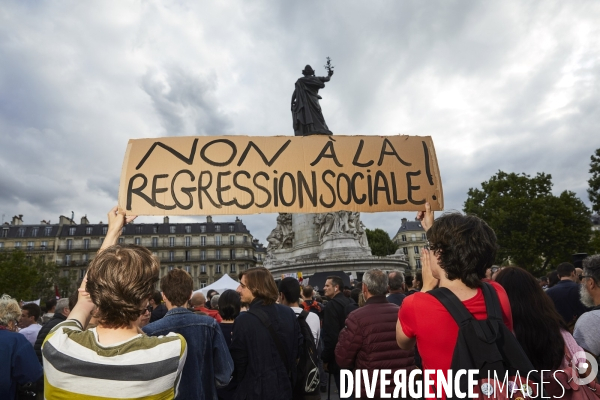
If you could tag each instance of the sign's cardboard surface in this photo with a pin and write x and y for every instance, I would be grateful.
(212, 175)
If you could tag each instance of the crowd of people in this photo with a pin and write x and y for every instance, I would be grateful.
(118, 337)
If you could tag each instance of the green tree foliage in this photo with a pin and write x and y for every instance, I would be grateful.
(26, 278)
(594, 182)
(380, 242)
(535, 229)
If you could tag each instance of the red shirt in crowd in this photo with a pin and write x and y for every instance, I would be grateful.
(423, 317)
(211, 313)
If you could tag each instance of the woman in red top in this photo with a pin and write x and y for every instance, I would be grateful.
(461, 248)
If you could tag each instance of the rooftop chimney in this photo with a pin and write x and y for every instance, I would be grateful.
(84, 220)
(166, 220)
(17, 220)
(209, 219)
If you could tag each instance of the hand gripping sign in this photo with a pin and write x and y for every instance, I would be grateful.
(212, 175)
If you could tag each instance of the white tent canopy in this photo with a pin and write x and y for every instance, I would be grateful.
(220, 286)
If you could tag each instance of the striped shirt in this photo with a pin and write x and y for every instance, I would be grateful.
(77, 366)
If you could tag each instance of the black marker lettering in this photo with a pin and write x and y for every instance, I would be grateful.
(324, 154)
(325, 173)
(138, 190)
(293, 184)
(357, 155)
(348, 189)
(261, 154)
(275, 192)
(221, 189)
(216, 163)
(188, 160)
(303, 186)
(186, 190)
(362, 198)
(395, 192)
(263, 188)
(380, 176)
(384, 146)
(204, 189)
(411, 188)
(243, 189)
(156, 190)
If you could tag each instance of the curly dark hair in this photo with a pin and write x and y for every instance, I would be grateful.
(466, 246)
(533, 312)
(119, 280)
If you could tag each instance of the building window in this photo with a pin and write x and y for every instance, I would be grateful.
(171, 268)
(231, 239)
(81, 273)
(69, 244)
(416, 249)
(202, 228)
(217, 228)
(423, 236)
(418, 264)
(187, 269)
(188, 256)
(88, 230)
(5, 232)
(404, 238)
(123, 231)
(1, 245)
(104, 230)
(413, 237)
(17, 245)
(138, 229)
(231, 228)
(171, 242)
(245, 239)
(188, 229)
(67, 259)
(259, 257)
(155, 229)
(188, 241)
(202, 284)
(218, 254)
(172, 229)
(48, 230)
(21, 232)
(84, 257)
(171, 256)
(202, 240)
(218, 269)
(121, 240)
(86, 243)
(44, 245)
(405, 250)
(232, 254)
(232, 268)
(138, 241)
(34, 231)
(29, 245)
(247, 266)
(203, 269)
(217, 240)
(203, 254)
(154, 242)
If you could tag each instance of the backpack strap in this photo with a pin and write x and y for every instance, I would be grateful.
(454, 306)
(492, 302)
(303, 314)
(264, 318)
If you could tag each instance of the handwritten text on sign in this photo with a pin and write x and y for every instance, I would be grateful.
(248, 175)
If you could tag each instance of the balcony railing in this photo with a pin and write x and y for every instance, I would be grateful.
(28, 248)
(206, 259)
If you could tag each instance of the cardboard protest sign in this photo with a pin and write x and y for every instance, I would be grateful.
(212, 175)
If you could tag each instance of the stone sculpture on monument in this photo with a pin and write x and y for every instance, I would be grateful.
(327, 241)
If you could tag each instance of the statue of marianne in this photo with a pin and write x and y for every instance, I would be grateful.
(306, 111)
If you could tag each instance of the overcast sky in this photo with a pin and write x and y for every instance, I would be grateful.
(499, 85)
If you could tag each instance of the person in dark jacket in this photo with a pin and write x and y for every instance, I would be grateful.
(565, 294)
(396, 287)
(61, 312)
(368, 341)
(333, 322)
(261, 371)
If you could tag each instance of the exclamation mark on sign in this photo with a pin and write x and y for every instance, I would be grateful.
(427, 168)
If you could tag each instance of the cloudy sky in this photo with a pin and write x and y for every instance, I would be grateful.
(499, 85)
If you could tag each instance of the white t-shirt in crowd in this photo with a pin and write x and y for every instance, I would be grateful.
(31, 332)
(313, 322)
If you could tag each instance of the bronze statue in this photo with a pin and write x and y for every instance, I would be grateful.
(306, 111)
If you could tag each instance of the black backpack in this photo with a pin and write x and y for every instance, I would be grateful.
(307, 382)
(490, 347)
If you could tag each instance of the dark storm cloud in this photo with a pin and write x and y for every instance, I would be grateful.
(506, 86)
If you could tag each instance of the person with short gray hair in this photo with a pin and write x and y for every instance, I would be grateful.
(586, 327)
(214, 302)
(396, 287)
(368, 341)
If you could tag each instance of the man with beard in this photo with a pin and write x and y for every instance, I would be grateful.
(586, 328)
